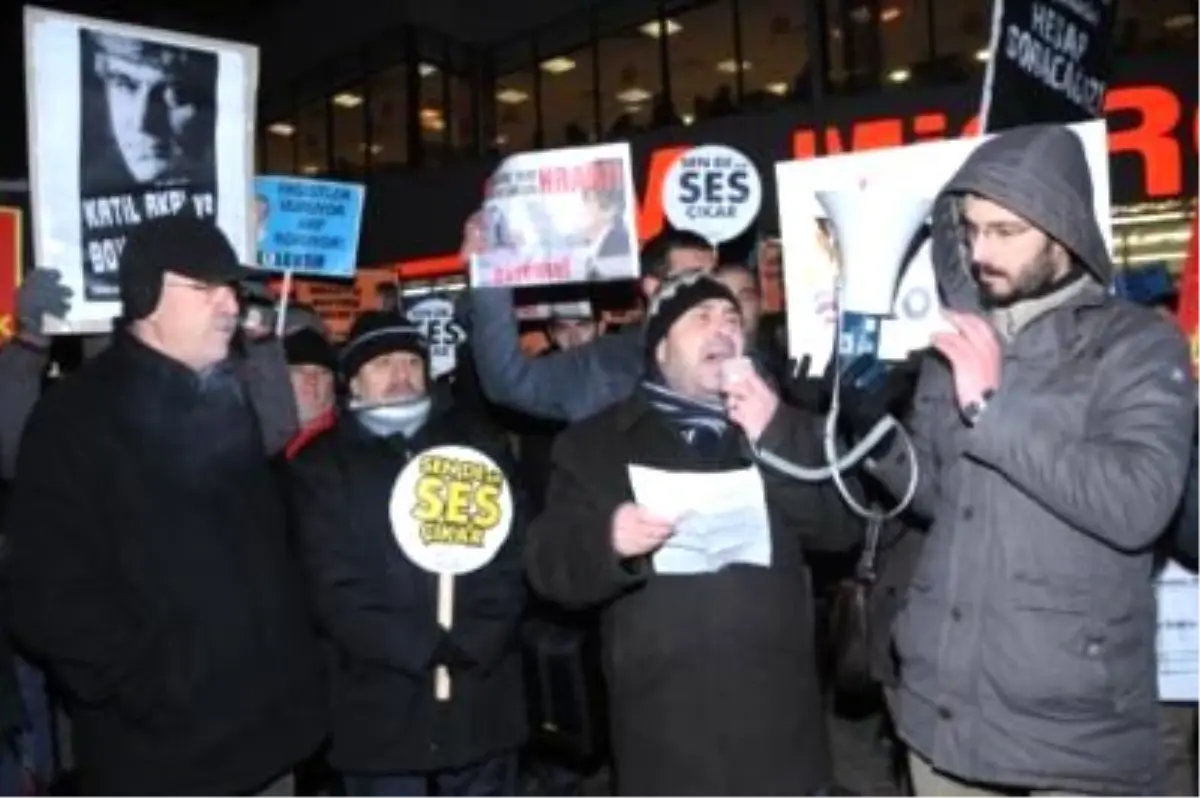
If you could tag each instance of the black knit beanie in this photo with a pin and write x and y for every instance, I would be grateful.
(675, 297)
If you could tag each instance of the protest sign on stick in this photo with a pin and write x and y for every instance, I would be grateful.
(451, 510)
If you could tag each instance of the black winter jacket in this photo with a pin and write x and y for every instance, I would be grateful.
(150, 571)
(378, 610)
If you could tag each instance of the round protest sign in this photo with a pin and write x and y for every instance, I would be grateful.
(451, 510)
(714, 191)
(435, 317)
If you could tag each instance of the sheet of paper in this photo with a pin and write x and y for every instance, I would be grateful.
(1178, 640)
(720, 518)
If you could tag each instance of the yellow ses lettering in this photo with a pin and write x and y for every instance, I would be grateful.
(456, 503)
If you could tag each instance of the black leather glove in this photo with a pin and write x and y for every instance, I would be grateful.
(808, 391)
(42, 293)
(450, 654)
(870, 389)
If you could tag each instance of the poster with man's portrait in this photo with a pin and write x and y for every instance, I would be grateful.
(559, 216)
(128, 124)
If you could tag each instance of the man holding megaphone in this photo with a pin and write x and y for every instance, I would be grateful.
(1052, 428)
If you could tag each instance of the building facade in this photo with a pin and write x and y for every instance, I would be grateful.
(423, 118)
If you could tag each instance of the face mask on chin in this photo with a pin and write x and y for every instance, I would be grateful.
(388, 417)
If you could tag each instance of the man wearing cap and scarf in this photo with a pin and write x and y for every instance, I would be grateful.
(1053, 436)
(148, 564)
(378, 610)
(312, 368)
(711, 676)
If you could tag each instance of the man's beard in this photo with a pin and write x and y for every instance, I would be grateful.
(1037, 278)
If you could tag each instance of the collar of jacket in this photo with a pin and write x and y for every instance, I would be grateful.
(637, 408)
(1010, 320)
(351, 429)
(310, 431)
(633, 409)
(1058, 330)
(157, 373)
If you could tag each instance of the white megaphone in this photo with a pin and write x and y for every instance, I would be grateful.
(874, 230)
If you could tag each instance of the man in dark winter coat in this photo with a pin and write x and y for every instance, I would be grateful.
(378, 608)
(149, 567)
(1053, 438)
(711, 676)
(24, 359)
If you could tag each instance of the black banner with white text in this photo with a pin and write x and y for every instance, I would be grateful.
(1049, 62)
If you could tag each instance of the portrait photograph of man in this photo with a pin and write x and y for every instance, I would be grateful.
(147, 141)
(609, 242)
(149, 114)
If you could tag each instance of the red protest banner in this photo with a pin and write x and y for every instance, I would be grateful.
(10, 269)
(1189, 301)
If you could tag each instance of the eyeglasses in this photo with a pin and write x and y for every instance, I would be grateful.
(997, 230)
(209, 290)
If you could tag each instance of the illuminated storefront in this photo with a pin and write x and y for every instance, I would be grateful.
(1152, 142)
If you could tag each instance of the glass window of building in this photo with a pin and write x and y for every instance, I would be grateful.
(630, 76)
(389, 132)
(312, 132)
(961, 34)
(349, 131)
(705, 64)
(774, 46)
(279, 154)
(568, 98)
(904, 41)
(855, 28)
(836, 51)
(1155, 25)
(431, 111)
(461, 114)
(516, 111)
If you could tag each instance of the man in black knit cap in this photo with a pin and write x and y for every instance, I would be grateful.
(711, 672)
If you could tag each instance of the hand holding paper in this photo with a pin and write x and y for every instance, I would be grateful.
(719, 519)
(637, 531)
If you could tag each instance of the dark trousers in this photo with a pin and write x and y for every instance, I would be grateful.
(495, 776)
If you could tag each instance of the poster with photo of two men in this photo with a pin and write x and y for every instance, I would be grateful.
(126, 124)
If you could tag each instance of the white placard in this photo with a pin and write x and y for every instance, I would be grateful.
(810, 261)
(127, 123)
(443, 334)
(451, 510)
(712, 190)
(1178, 642)
(559, 216)
(720, 518)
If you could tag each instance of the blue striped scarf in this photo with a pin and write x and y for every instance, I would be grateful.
(701, 424)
